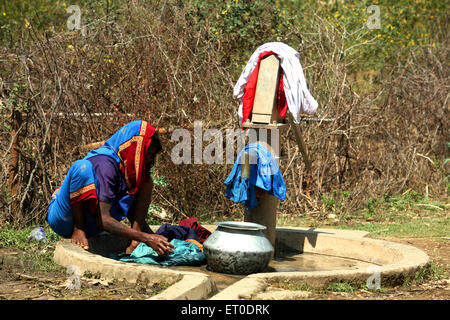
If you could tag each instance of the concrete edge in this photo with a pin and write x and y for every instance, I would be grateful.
(190, 287)
(243, 289)
(341, 233)
(312, 230)
(193, 285)
(183, 284)
(410, 260)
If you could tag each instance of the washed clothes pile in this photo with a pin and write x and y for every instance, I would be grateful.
(186, 238)
(264, 174)
(184, 254)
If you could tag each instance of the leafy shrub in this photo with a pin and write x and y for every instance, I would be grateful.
(173, 62)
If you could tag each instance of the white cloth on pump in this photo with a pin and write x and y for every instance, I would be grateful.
(298, 97)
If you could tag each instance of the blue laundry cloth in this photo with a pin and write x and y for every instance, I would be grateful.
(184, 254)
(177, 232)
(264, 174)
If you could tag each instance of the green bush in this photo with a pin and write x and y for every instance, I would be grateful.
(172, 62)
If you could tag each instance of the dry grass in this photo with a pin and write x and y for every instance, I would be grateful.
(389, 135)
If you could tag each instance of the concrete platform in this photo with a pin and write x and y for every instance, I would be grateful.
(393, 262)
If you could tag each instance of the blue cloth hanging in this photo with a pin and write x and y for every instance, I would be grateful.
(264, 173)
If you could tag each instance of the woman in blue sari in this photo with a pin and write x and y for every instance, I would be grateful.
(110, 184)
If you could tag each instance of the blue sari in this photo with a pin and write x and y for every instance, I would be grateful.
(128, 147)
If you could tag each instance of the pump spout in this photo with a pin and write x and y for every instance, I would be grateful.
(245, 168)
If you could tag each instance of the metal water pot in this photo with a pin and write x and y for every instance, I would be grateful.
(238, 248)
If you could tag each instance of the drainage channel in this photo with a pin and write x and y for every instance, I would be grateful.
(303, 262)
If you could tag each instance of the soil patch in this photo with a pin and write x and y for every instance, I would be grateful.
(21, 278)
(20, 281)
(430, 289)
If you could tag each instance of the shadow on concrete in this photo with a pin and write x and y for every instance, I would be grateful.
(105, 244)
(285, 247)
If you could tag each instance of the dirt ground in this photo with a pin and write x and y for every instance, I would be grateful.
(17, 283)
(439, 253)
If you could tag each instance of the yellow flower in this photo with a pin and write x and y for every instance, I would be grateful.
(4, 13)
(224, 11)
(412, 42)
(27, 24)
(433, 45)
(70, 47)
(392, 41)
(379, 35)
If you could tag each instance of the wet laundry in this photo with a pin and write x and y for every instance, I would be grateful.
(201, 231)
(184, 253)
(187, 239)
(264, 174)
(293, 83)
(177, 232)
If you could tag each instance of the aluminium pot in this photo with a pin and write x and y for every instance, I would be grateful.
(238, 248)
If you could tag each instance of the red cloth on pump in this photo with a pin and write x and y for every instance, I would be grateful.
(250, 88)
(202, 233)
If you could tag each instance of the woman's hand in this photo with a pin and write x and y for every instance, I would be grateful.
(159, 243)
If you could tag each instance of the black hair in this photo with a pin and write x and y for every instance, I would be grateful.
(156, 143)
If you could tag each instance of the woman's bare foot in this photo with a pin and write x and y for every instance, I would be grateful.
(132, 246)
(79, 238)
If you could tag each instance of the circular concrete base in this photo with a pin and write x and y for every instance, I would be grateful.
(387, 262)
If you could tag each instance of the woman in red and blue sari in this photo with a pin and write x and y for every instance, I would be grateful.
(110, 184)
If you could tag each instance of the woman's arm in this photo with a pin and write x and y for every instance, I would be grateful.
(111, 225)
